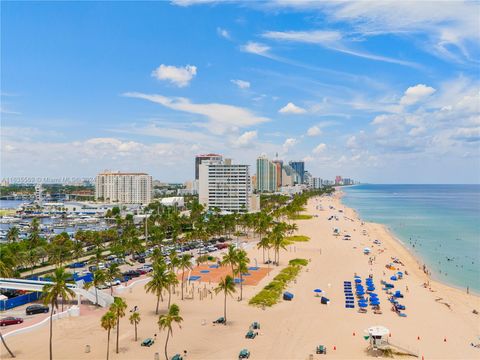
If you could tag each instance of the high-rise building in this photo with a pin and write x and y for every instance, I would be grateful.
(200, 158)
(299, 167)
(266, 175)
(39, 194)
(338, 180)
(307, 177)
(124, 188)
(279, 171)
(224, 185)
(315, 183)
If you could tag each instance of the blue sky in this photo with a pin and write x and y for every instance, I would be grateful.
(375, 91)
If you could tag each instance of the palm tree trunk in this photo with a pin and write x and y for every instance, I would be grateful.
(96, 295)
(263, 250)
(51, 330)
(225, 308)
(135, 331)
(6, 347)
(158, 302)
(118, 332)
(108, 343)
(111, 288)
(183, 274)
(241, 286)
(169, 295)
(166, 344)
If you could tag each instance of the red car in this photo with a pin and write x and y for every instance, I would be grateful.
(10, 321)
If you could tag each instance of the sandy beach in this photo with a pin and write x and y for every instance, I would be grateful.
(439, 323)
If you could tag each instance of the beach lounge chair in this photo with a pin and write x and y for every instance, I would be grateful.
(220, 320)
(321, 349)
(177, 357)
(244, 354)
(250, 334)
(287, 296)
(147, 342)
(255, 325)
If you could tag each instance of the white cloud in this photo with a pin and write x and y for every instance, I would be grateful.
(319, 148)
(242, 84)
(288, 144)
(291, 108)
(416, 93)
(221, 117)
(179, 76)
(314, 131)
(223, 33)
(308, 158)
(246, 139)
(255, 48)
(332, 40)
(314, 37)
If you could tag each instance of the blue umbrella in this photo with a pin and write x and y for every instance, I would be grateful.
(373, 294)
(317, 290)
(357, 277)
(360, 293)
(363, 305)
(394, 278)
(375, 303)
(358, 280)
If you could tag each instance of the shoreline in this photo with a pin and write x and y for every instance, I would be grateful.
(415, 256)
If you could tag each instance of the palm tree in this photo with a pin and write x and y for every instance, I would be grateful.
(118, 309)
(112, 273)
(171, 282)
(278, 241)
(134, 320)
(230, 258)
(227, 285)
(242, 267)
(166, 321)
(108, 323)
(5, 271)
(12, 234)
(98, 279)
(185, 264)
(57, 288)
(158, 281)
(264, 244)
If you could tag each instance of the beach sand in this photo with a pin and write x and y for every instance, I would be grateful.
(289, 330)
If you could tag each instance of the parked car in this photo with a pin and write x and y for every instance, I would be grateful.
(76, 265)
(141, 260)
(10, 320)
(141, 271)
(131, 273)
(36, 309)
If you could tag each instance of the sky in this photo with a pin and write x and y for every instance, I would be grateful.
(382, 92)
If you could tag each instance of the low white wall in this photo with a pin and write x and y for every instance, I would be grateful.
(73, 311)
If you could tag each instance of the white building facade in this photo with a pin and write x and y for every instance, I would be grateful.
(224, 185)
(124, 188)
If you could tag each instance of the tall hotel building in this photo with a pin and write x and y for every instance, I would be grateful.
(224, 185)
(266, 175)
(203, 157)
(124, 188)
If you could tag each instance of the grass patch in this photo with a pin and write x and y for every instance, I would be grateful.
(298, 238)
(271, 293)
(7, 212)
(301, 217)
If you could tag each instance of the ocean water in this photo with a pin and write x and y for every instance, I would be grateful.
(440, 224)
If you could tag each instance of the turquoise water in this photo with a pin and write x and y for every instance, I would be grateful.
(440, 224)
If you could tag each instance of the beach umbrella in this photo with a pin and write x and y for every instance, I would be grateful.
(363, 305)
(357, 277)
(360, 293)
(374, 302)
(394, 278)
(358, 280)
(317, 290)
(373, 294)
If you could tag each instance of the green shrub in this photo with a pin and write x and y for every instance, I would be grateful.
(271, 293)
(301, 262)
(301, 217)
(298, 238)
